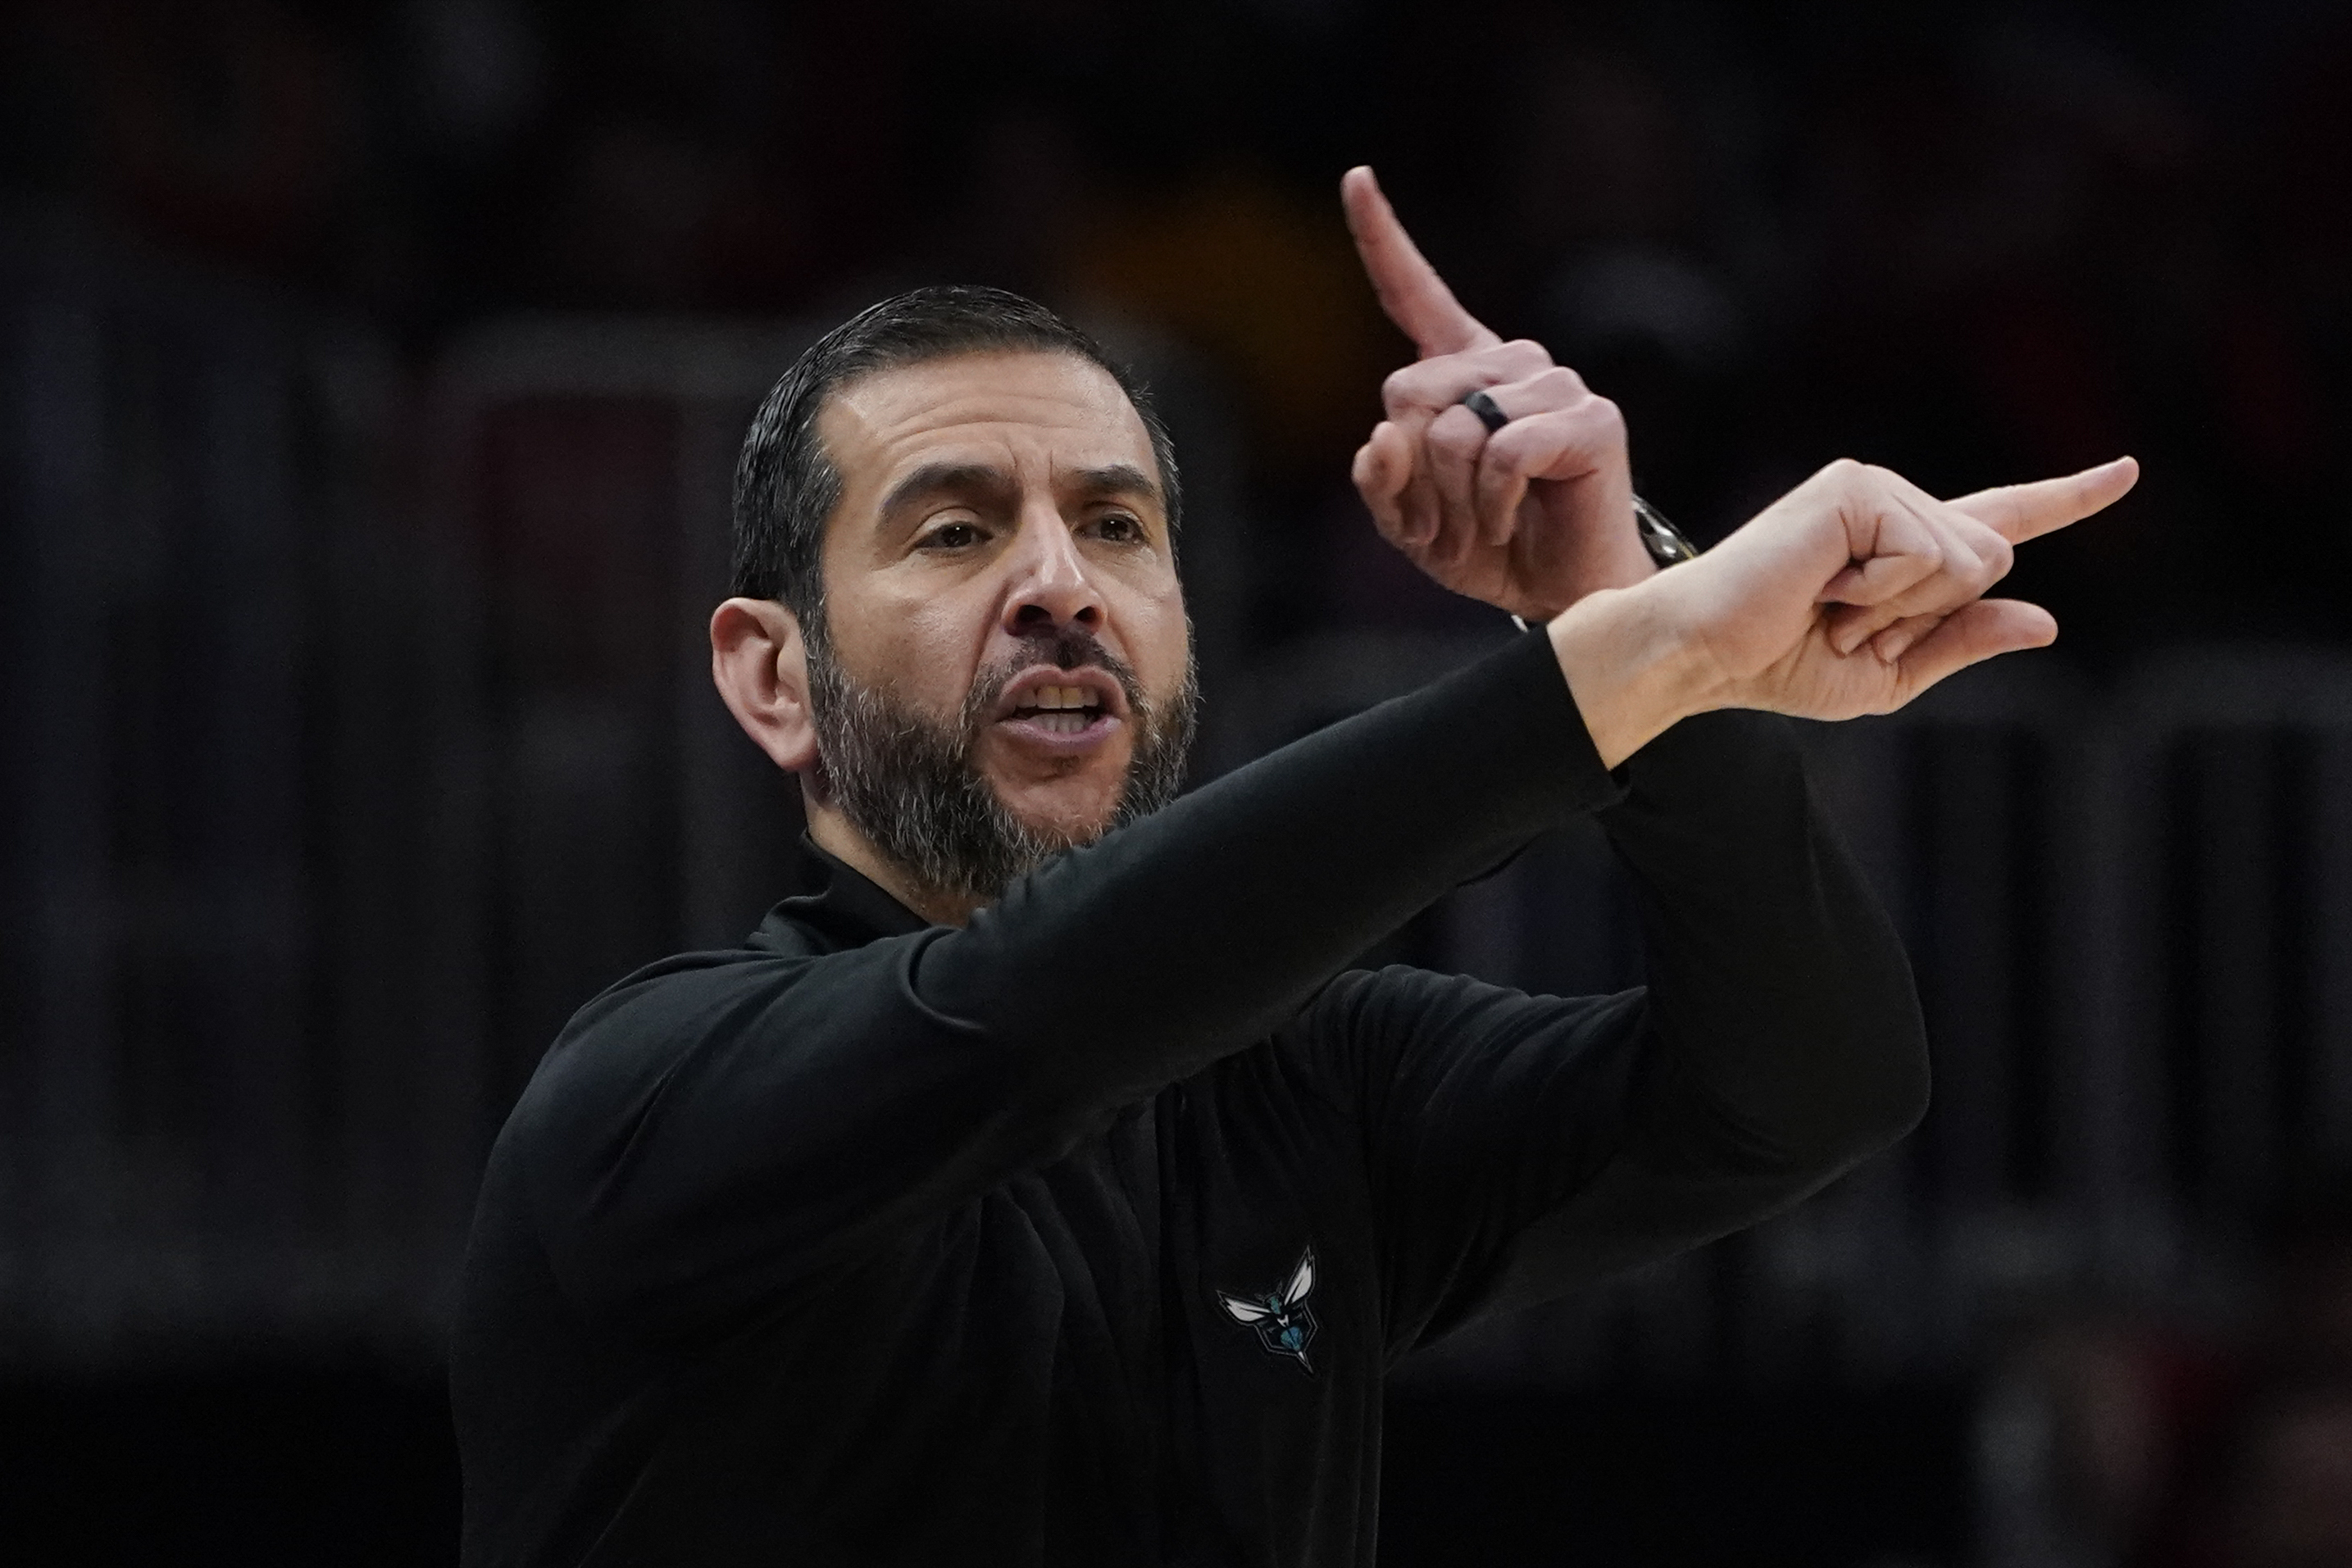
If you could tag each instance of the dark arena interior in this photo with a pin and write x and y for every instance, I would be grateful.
(372, 376)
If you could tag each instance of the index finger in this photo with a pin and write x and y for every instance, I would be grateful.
(1410, 290)
(2020, 512)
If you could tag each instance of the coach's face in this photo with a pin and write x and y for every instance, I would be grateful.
(1001, 516)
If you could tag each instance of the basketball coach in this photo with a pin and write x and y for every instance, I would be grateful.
(1048, 1189)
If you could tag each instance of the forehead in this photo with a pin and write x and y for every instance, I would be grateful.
(1007, 408)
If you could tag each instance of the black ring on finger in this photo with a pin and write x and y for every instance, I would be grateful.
(1490, 412)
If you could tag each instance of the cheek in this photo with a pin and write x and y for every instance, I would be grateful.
(1162, 642)
(923, 649)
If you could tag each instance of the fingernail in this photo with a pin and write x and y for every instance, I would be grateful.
(1890, 645)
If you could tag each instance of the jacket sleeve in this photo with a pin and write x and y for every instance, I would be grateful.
(1521, 1145)
(717, 1129)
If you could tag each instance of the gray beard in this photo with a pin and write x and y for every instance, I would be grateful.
(908, 782)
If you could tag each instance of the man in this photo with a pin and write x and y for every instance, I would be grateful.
(1047, 1190)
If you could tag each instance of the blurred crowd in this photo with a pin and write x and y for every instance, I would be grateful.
(1972, 241)
(2171, 1445)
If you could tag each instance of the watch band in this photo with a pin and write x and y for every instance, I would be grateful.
(1666, 543)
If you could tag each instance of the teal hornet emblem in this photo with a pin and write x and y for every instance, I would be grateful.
(1285, 1324)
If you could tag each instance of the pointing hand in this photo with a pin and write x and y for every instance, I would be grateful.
(1852, 594)
(1530, 518)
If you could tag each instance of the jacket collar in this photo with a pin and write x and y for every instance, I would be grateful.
(850, 912)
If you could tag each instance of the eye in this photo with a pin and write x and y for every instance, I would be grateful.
(1120, 528)
(953, 535)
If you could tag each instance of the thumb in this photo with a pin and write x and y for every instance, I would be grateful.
(1971, 635)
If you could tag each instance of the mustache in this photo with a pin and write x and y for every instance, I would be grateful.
(1065, 648)
(908, 783)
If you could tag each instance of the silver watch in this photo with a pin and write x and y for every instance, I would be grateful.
(1667, 544)
(1664, 541)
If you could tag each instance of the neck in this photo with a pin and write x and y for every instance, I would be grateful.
(835, 835)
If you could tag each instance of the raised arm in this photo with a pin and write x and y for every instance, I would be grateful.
(1524, 1144)
(1520, 1145)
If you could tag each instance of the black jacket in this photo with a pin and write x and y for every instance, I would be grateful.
(1085, 1233)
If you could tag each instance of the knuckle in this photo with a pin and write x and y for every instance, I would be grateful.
(1558, 383)
(1408, 386)
(1503, 464)
(1456, 430)
(1987, 541)
(1517, 360)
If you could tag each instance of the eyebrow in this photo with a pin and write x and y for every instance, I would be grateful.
(932, 478)
(935, 478)
(1118, 479)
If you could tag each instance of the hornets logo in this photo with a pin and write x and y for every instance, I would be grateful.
(1285, 1324)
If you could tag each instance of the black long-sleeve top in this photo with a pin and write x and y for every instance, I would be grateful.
(1084, 1233)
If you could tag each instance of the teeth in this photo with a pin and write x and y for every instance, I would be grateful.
(1058, 697)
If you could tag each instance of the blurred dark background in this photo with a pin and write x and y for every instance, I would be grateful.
(370, 376)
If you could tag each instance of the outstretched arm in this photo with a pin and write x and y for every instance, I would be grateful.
(724, 1127)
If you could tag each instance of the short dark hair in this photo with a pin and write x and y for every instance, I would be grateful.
(785, 485)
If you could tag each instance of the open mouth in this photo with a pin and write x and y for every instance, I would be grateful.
(1058, 710)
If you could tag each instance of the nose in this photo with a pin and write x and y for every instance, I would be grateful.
(1049, 587)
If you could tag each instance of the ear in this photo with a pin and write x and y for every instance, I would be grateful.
(760, 667)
